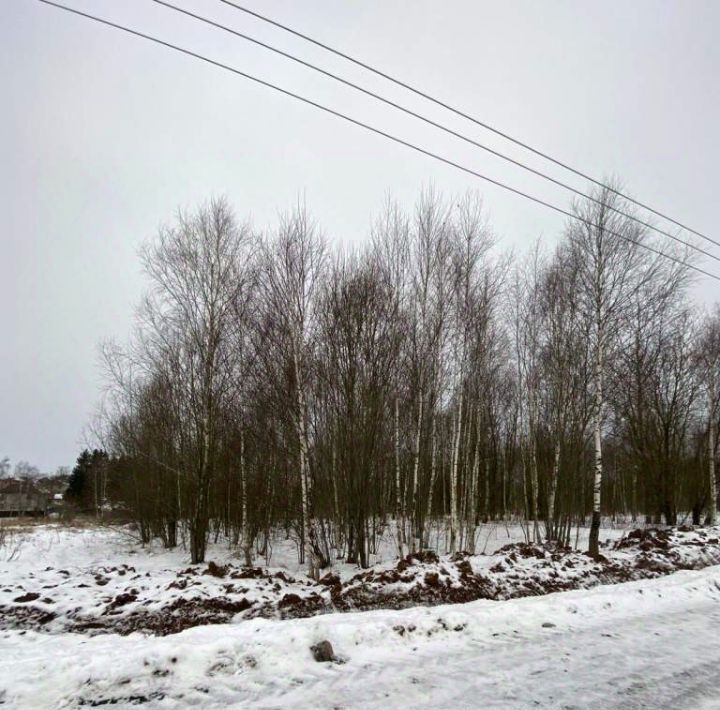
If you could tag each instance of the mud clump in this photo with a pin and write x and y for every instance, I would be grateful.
(25, 617)
(177, 616)
(424, 557)
(432, 579)
(645, 539)
(123, 701)
(215, 570)
(121, 600)
(293, 606)
(330, 580)
(289, 600)
(25, 598)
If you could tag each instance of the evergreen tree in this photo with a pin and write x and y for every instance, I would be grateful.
(86, 484)
(79, 477)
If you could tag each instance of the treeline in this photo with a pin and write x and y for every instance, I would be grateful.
(426, 379)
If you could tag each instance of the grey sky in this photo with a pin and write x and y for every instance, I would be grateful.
(103, 136)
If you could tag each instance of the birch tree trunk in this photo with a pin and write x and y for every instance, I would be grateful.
(473, 487)
(399, 507)
(247, 542)
(594, 543)
(454, 477)
(552, 488)
(712, 505)
(433, 475)
(309, 532)
(334, 473)
(532, 423)
(416, 532)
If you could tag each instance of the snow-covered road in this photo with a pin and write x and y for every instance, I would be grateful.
(671, 661)
(653, 644)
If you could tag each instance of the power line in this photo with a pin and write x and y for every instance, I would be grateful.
(465, 115)
(429, 121)
(435, 124)
(372, 129)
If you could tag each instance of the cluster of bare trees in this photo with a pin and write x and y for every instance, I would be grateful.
(420, 385)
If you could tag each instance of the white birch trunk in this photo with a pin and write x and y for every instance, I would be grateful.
(247, 543)
(487, 488)
(474, 486)
(551, 492)
(433, 474)
(712, 509)
(399, 517)
(454, 477)
(533, 466)
(597, 426)
(305, 484)
(334, 485)
(416, 468)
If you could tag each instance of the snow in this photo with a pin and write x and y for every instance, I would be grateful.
(648, 643)
(121, 587)
(60, 545)
(641, 644)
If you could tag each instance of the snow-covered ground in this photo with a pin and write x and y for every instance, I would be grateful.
(651, 643)
(57, 545)
(93, 579)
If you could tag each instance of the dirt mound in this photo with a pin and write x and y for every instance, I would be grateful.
(645, 539)
(293, 606)
(25, 617)
(217, 594)
(175, 617)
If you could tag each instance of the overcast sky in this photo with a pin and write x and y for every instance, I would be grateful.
(103, 136)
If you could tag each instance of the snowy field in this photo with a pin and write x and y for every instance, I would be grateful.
(31, 546)
(102, 579)
(650, 643)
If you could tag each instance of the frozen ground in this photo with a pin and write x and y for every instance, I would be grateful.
(652, 643)
(99, 580)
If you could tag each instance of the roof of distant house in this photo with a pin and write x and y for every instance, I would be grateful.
(14, 485)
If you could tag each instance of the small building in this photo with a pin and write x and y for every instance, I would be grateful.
(22, 498)
(56, 505)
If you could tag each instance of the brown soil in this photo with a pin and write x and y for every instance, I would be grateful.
(421, 578)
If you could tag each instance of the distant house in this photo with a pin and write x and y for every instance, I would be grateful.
(22, 498)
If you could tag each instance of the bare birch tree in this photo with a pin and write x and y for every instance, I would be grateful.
(709, 359)
(612, 266)
(294, 266)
